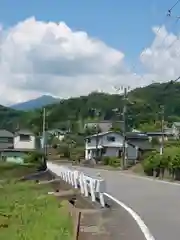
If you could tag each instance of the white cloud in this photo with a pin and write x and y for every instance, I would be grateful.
(162, 58)
(38, 58)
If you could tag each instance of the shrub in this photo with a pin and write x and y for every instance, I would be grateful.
(34, 157)
(169, 160)
(77, 153)
(64, 150)
(105, 160)
(112, 161)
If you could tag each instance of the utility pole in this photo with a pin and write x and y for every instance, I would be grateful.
(162, 130)
(44, 135)
(97, 114)
(124, 147)
(124, 160)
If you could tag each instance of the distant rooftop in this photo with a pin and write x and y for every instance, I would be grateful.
(5, 133)
(158, 133)
(129, 135)
(177, 124)
(104, 125)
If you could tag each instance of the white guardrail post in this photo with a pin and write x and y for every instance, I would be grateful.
(88, 185)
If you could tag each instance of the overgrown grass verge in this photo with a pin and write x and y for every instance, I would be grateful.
(11, 171)
(26, 210)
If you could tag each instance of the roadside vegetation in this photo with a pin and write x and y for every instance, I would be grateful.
(166, 165)
(26, 209)
(111, 161)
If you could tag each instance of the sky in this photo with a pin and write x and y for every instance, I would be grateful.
(69, 48)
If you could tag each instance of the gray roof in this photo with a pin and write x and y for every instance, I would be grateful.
(129, 135)
(101, 134)
(157, 133)
(136, 135)
(5, 133)
(176, 124)
(104, 125)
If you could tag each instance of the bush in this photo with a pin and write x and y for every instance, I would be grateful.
(77, 153)
(64, 150)
(112, 161)
(106, 160)
(169, 160)
(34, 157)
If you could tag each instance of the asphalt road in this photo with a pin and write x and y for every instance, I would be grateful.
(157, 203)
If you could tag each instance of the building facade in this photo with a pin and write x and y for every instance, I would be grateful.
(24, 139)
(108, 144)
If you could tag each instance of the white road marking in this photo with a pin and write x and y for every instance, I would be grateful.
(136, 217)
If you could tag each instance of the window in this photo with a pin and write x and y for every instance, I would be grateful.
(111, 139)
(88, 140)
(24, 137)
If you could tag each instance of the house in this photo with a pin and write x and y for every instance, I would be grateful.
(140, 141)
(15, 147)
(6, 139)
(158, 135)
(111, 144)
(176, 129)
(24, 139)
(104, 125)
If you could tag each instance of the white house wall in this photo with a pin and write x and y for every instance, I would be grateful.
(92, 144)
(30, 144)
(112, 147)
(102, 140)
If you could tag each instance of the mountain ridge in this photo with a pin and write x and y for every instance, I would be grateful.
(36, 103)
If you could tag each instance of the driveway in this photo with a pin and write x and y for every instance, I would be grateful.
(157, 203)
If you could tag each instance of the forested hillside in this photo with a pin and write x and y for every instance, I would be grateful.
(143, 106)
(9, 118)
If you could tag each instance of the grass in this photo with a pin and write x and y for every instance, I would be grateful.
(26, 210)
(11, 170)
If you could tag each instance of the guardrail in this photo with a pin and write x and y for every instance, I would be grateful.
(95, 187)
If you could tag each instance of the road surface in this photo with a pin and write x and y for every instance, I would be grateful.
(156, 202)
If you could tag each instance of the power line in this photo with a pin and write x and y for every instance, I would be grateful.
(169, 11)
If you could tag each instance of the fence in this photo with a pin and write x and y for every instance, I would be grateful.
(95, 187)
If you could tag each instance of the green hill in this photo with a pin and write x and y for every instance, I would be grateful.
(143, 107)
(9, 118)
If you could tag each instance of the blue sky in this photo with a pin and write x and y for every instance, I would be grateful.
(125, 25)
(52, 58)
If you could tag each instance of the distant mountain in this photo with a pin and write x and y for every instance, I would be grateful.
(35, 103)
